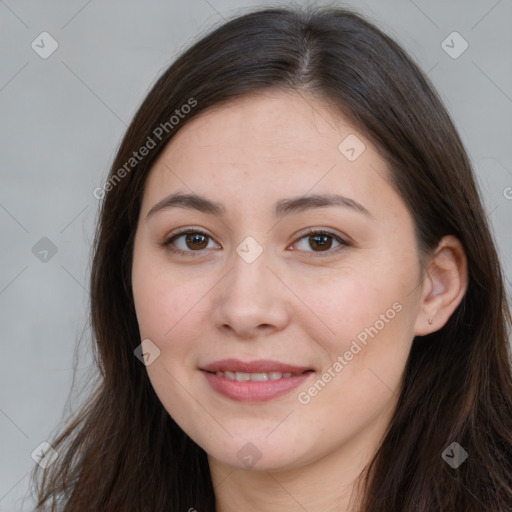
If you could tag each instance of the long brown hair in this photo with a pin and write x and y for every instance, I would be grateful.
(123, 452)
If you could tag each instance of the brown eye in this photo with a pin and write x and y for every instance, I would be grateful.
(321, 241)
(188, 242)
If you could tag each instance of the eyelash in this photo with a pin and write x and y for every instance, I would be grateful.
(167, 243)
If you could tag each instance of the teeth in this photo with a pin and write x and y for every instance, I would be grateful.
(260, 376)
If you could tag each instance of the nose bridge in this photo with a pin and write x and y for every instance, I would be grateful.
(250, 295)
(249, 277)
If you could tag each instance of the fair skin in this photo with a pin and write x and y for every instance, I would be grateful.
(295, 303)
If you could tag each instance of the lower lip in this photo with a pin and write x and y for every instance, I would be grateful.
(254, 391)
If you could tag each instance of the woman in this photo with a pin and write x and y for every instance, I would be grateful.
(295, 295)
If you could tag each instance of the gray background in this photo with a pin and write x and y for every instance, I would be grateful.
(63, 118)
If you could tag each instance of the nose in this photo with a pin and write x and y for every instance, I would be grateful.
(251, 300)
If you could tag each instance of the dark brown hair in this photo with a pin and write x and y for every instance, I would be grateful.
(123, 452)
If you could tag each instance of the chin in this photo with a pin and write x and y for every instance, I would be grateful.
(264, 455)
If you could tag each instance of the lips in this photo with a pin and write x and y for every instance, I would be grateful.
(256, 381)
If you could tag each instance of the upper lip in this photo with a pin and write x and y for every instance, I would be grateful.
(259, 366)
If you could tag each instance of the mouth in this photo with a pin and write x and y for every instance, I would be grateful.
(256, 381)
(256, 377)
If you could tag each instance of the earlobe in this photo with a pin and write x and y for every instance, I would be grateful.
(444, 287)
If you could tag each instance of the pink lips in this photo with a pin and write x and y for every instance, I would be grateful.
(249, 390)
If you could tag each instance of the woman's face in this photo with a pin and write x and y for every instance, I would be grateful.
(307, 264)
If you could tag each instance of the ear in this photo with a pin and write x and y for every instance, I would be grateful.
(444, 286)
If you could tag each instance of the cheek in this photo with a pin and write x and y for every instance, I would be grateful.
(348, 306)
(166, 308)
(367, 319)
(162, 298)
(366, 354)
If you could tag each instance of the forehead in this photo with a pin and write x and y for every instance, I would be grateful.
(267, 146)
(282, 123)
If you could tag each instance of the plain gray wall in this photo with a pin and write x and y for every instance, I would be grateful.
(63, 117)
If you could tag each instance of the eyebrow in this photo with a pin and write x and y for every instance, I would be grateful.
(282, 208)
